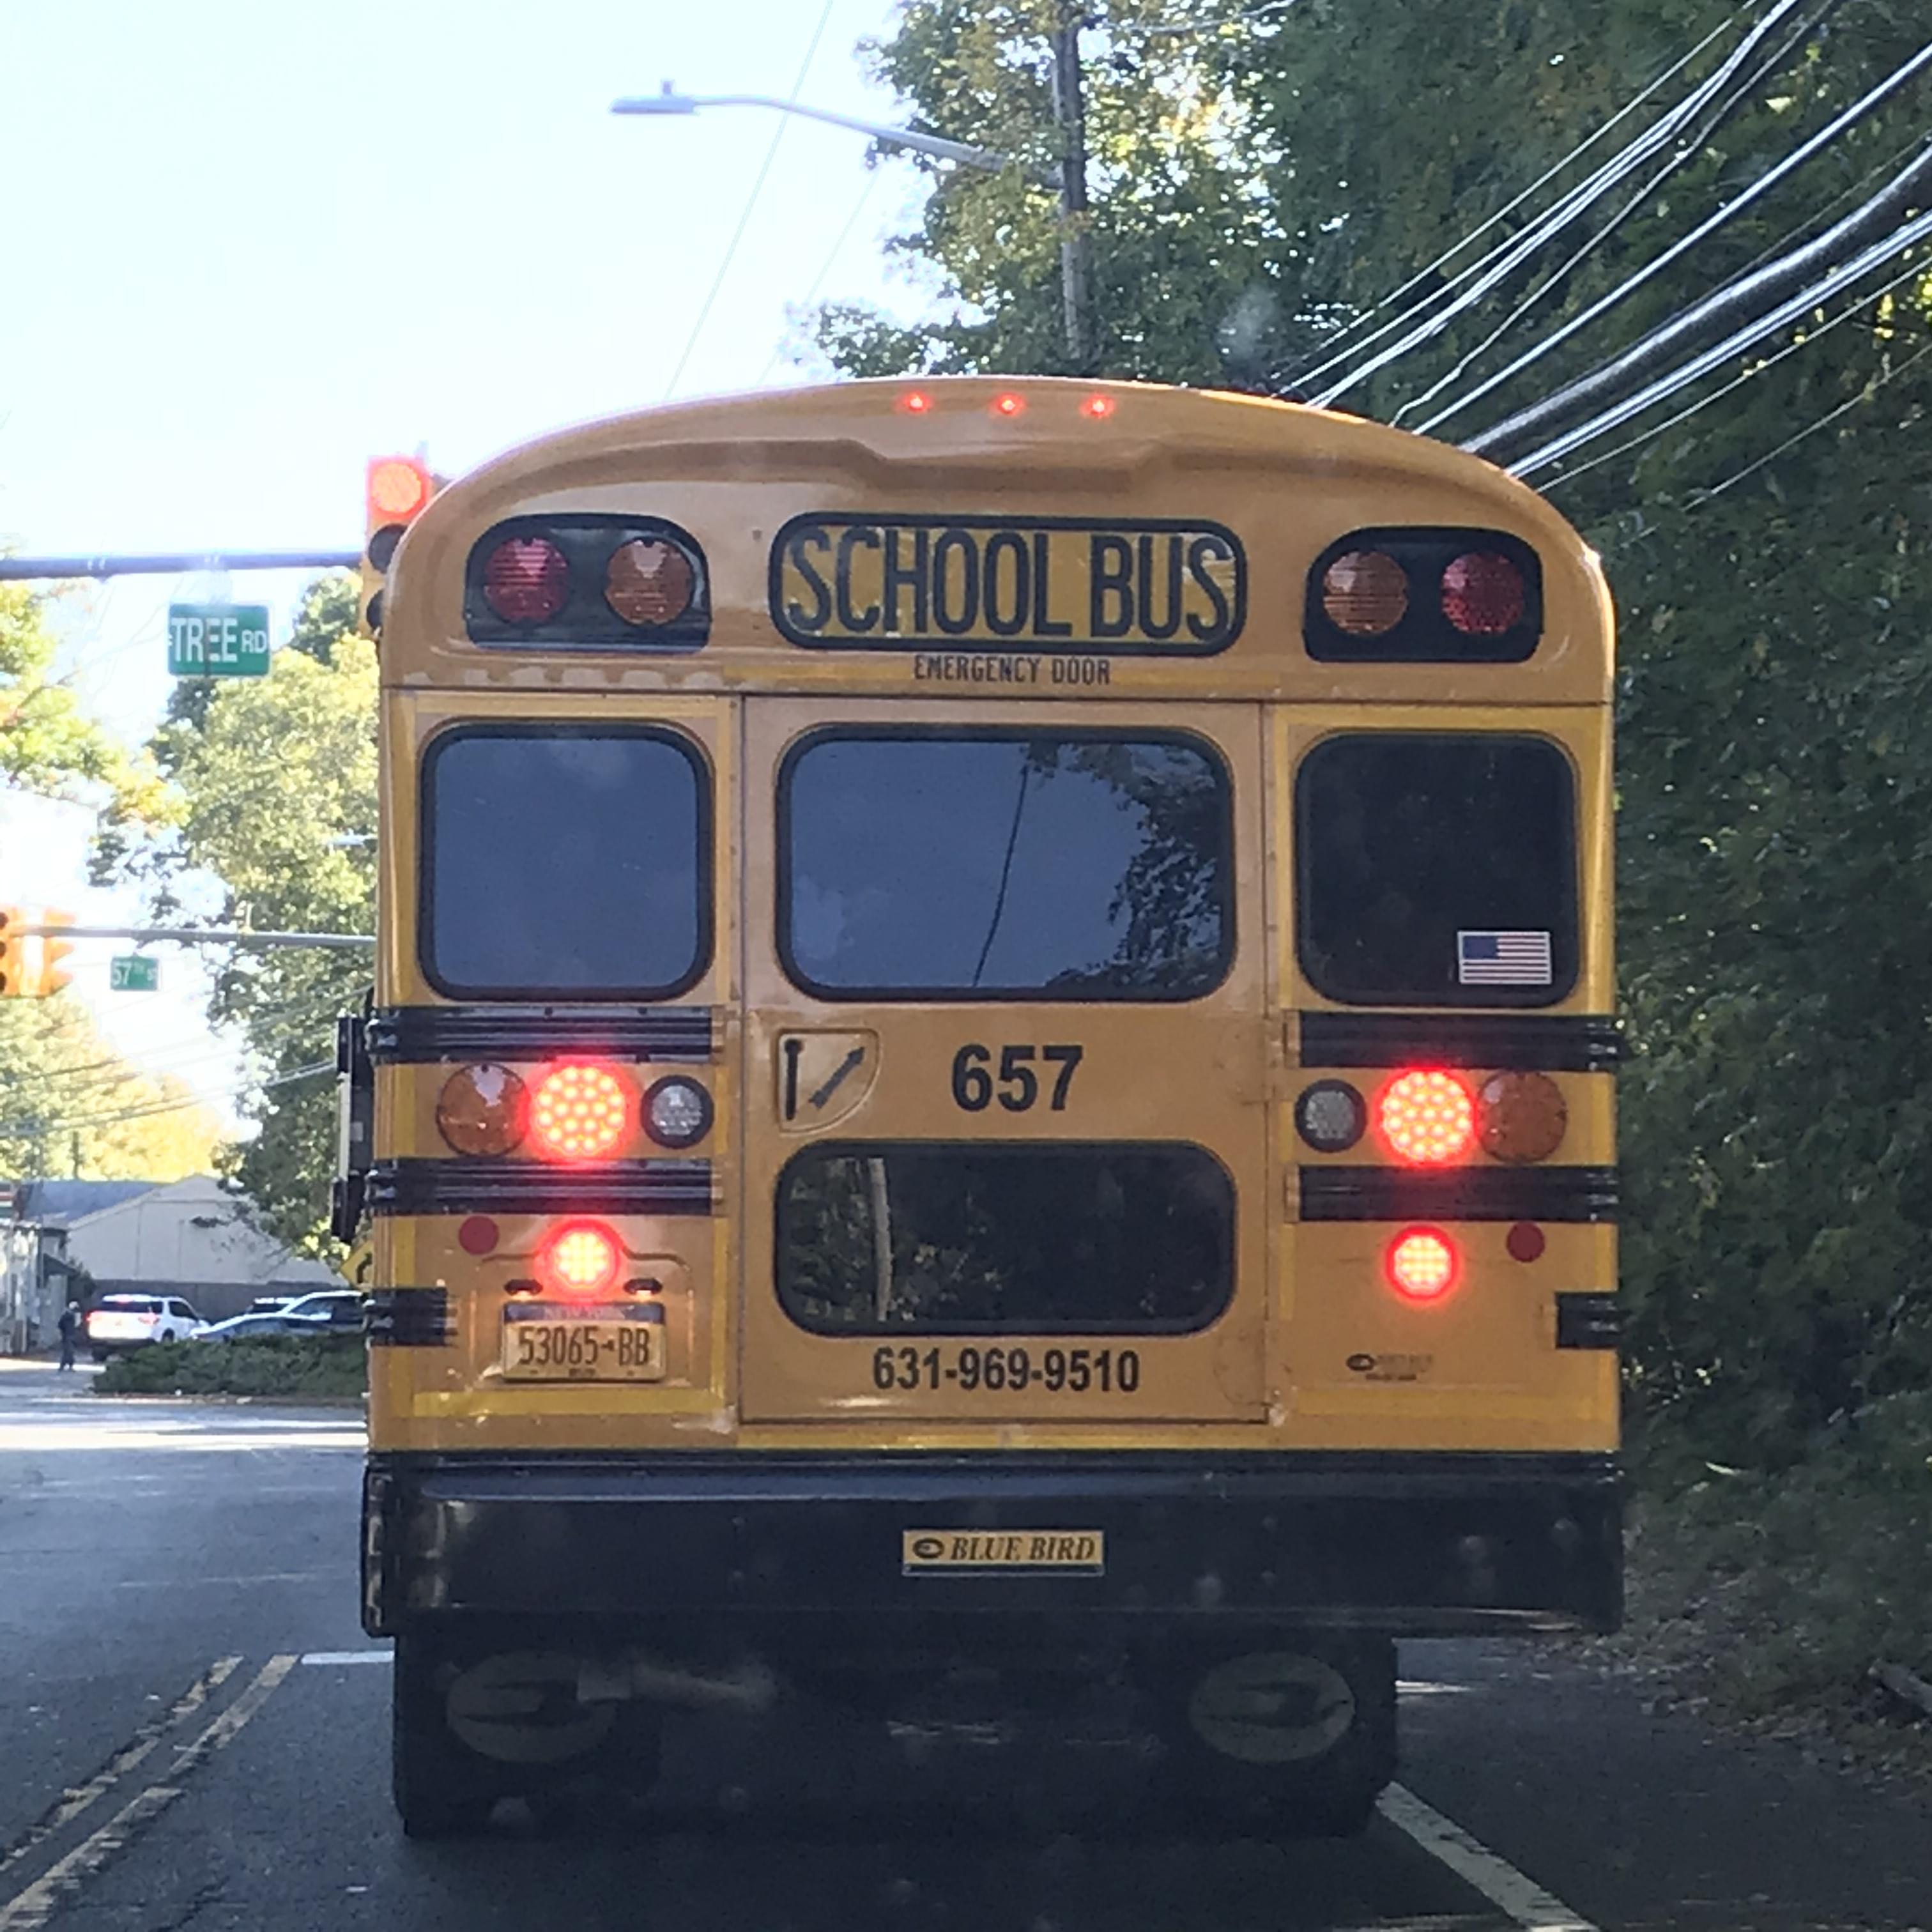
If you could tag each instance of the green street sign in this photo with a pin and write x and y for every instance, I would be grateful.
(134, 972)
(218, 640)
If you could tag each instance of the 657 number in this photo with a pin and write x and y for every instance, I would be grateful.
(1015, 1085)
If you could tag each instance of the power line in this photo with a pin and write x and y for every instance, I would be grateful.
(1701, 365)
(1851, 308)
(1508, 256)
(1764, 183)
(1502, 214)
(750, 203)
(1864, 395)
(21, 1130)
(1688, 151)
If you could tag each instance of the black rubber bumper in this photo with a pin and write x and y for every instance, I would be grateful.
(1405, 1544)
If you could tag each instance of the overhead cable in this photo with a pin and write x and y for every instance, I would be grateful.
(1304, 376)
(23, 1130)
(1887, 249)
(1688, 151)
(1772, 178)
(1901, 193)
(1856, 307)
(1508, 256)
(751, 202)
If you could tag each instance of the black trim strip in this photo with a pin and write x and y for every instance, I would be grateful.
(422, 1036)
(414, 1186)
(1592, 1321)
(1541, 1042)
(410, 1318)
(1460, 1194)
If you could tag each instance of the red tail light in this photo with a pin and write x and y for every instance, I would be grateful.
(580, 1260)
(1482, 595)
(1422, 1265)
(1427, 1118)
(525, 580)
(579, 1111)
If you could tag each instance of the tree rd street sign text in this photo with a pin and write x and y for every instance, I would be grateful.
(218, 640)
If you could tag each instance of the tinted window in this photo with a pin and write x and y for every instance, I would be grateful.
(1070, 867)
(564, 861)
(1437, 871)
(1018, 1240)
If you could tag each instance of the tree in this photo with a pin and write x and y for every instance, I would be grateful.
(271, 789)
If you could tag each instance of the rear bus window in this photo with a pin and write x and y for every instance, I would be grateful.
(1037, 1239)
(990, 865)
(1434, 870)
(564, 861)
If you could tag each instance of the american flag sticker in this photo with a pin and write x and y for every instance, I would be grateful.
(1503, 959)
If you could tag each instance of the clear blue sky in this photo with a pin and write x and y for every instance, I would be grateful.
(253, 245)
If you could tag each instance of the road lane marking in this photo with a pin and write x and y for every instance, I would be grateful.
(227, 1582)
(28, 1910)
(345, 1656)
(1525, 1902)
(146, 1740)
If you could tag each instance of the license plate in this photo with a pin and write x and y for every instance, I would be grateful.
(547, 1342)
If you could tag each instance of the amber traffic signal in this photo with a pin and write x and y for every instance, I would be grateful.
(396, 491)
(30, 967)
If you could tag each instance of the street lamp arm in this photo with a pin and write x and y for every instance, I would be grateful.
(963, 152)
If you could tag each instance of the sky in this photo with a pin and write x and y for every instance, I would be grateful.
(253, 245)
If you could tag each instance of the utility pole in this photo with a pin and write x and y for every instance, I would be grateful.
(1076, 259)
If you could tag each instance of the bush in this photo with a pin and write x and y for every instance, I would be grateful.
(266, 1365)
(1789, 1586)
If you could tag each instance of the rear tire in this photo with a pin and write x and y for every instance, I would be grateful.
(1279, 1735)
(442, 1789)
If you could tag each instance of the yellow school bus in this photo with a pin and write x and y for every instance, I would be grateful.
(992, 1042)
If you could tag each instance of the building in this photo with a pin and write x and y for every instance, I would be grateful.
(192, 1238)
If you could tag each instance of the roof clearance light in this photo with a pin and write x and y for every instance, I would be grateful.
(1097, 408)
(1422, 1265)
(1482, 595)
(1427, 1118)
(1521, 1117)
(579, 1112)
(525, 580)
(482, 1110)
(648, 582)
(1006, 403)
(915, 403)
(1329, 1116)
(1365, 592)
(581, 1259)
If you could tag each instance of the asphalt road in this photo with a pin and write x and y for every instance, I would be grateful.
(193, 1736)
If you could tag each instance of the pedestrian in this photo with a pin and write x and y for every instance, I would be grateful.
(70, 1327)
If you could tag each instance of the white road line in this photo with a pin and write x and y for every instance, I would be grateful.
(28, 1910)
(345, 1656)
(145, 1742)
(1522, 1898)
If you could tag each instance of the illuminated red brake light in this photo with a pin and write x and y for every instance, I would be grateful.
(525, 580)
(580, 1260)
(579, 1110)
(1427, 1118)
(1422, 1265)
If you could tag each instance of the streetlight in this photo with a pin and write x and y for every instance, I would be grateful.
(1069, 180)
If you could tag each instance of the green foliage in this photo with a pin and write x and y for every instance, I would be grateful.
(1260, 185)
(289, 1365)
(272, 791)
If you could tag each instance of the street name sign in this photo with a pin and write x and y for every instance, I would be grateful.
(218, 640)
(134, 972)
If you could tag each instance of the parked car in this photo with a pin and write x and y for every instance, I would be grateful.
(117, 1323)
(332, 1308)
(254, 1323)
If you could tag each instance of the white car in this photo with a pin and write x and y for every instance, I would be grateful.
(118, 1322)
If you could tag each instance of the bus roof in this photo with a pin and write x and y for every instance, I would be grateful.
(890, 535)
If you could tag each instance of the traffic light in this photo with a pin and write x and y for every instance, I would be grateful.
(30, 967)
(396, 491)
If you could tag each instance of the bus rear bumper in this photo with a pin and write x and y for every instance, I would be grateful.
(1401, 1544)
